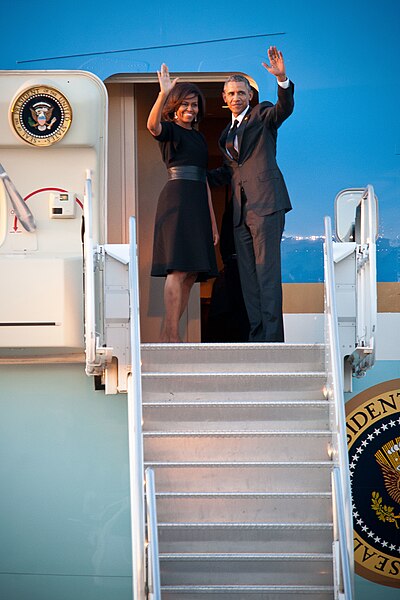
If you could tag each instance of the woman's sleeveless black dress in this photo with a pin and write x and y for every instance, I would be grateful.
(183, 239)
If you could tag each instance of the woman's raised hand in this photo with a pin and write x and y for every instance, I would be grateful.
(166, 85)
(164, 79)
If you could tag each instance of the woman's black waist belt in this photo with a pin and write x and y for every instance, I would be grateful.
(188, 172)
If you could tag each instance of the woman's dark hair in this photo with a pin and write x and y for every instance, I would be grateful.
(177, 95)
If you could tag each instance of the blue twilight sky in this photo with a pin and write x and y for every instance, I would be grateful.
(342, 55)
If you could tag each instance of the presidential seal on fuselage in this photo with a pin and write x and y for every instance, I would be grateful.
(373, 437)
(41, 115)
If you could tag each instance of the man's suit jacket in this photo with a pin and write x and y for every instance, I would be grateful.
(256, 172)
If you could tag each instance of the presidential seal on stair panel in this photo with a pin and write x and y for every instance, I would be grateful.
(373, 437)
(41, 115)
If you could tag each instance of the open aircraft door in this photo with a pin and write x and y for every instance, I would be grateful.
(53, 132)
(354, 255)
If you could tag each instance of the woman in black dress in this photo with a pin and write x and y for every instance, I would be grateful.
(185, 231)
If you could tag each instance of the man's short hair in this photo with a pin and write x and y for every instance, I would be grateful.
(239, 78)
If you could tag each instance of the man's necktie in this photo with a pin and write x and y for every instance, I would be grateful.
(230, 139)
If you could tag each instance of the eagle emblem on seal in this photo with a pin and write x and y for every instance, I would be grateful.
(388, 458)
(41, 114)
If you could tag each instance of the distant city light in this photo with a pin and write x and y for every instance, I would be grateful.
(311, 238)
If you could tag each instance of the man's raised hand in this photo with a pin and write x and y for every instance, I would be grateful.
(277, 64)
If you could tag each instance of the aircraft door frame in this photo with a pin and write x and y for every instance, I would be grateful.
(135, 178)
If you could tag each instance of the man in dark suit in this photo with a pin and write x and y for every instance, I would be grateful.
(259, 195)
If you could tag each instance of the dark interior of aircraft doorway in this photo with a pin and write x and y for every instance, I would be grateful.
(223, 314)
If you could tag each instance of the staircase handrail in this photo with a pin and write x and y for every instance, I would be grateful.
(135, 437)
(342, 489)
(153, 560)
(344, 574)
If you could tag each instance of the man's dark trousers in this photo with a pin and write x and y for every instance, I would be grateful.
(258, 245)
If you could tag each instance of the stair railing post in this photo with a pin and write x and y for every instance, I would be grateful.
(153, 563)
(135, 437)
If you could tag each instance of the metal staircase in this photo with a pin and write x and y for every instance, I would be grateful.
(239, 439)
(247, 442)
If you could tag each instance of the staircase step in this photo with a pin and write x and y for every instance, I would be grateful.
(232, 387)
(268, 507)
(258, 592)
(232, 357)
(246, 569)
(242, 476)
(245, 537)
(206, 416)
(229, 446)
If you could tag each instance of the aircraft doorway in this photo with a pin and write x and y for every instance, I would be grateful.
(135, 178)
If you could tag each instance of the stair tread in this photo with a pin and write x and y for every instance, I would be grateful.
(300, 556)
(244, 494)
(186, 374)
(256, 403)
(232, 404)
(224, 433)
(244, 463)
(226, 345)
(248, 588)
(245, 525)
